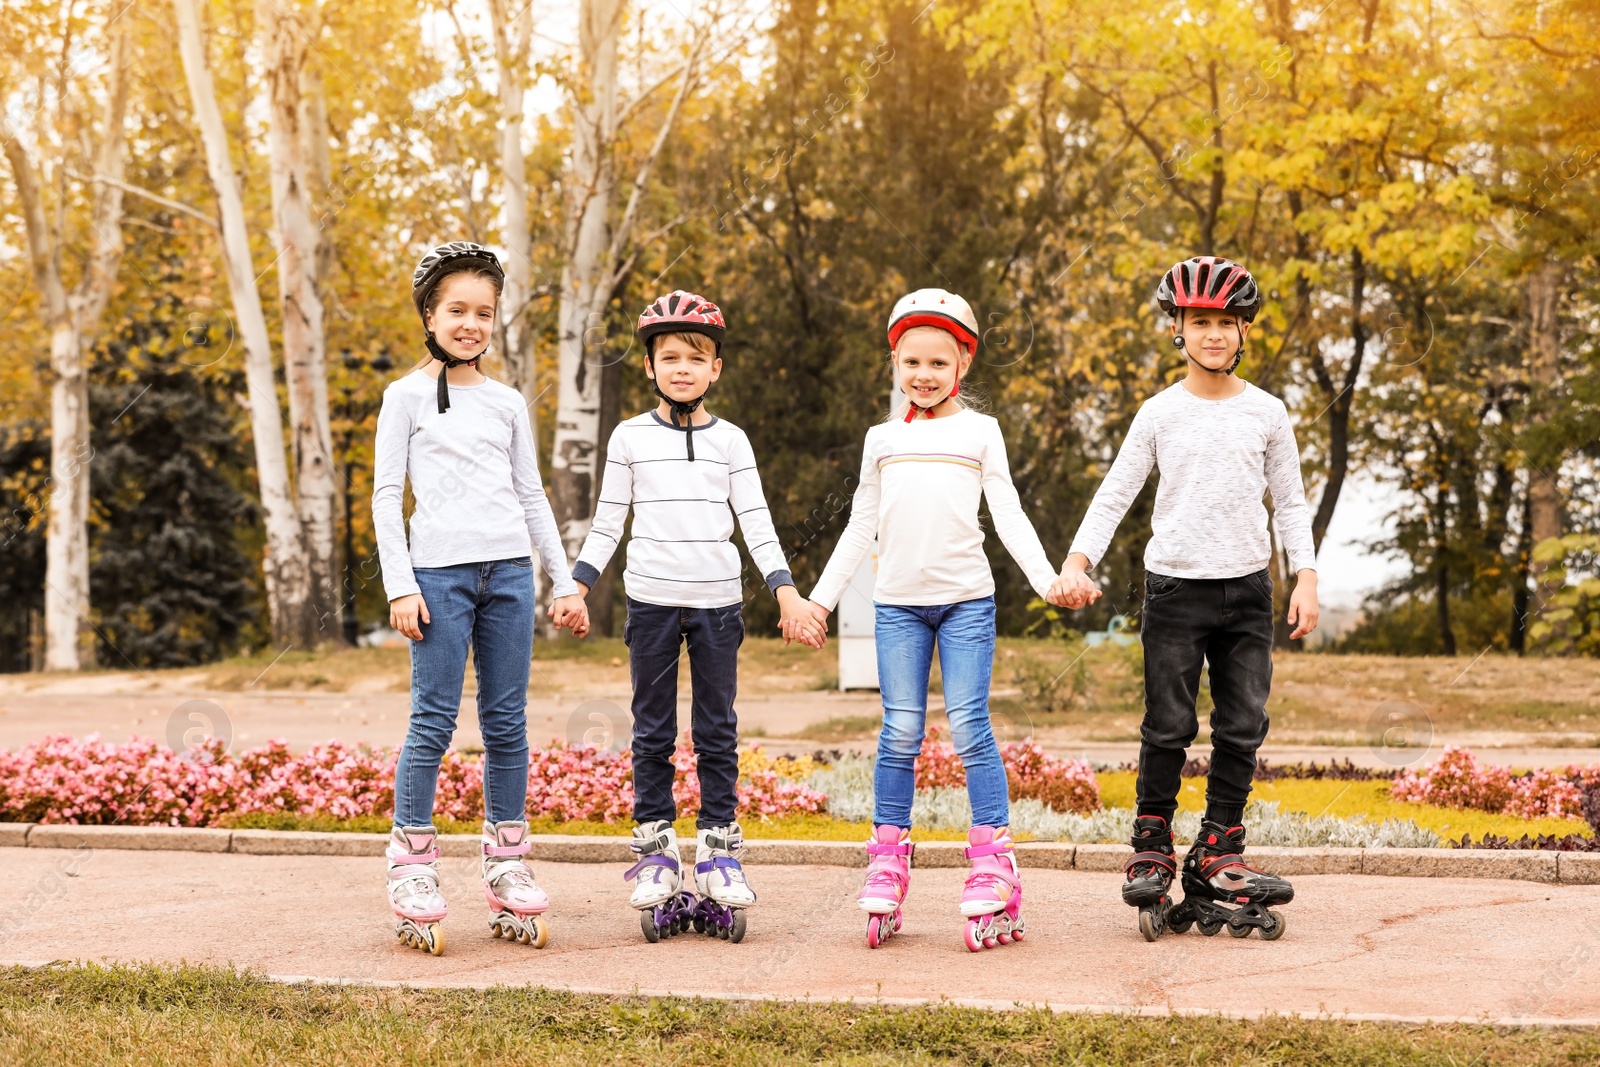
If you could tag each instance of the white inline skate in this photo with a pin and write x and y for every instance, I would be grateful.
(413, 854)
(664, 908)
(517, 903)
(720, 880)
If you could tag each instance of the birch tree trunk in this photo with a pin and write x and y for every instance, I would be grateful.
(1544, 363)
(304, 359)
(287, 575)
(73, 320)
(586, 275)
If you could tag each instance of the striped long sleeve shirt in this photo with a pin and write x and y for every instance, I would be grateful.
(681, 552)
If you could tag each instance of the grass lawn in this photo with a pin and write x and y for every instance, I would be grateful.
(85, 1014)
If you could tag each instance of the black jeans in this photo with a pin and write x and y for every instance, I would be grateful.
(1227, 623)
(653, 634)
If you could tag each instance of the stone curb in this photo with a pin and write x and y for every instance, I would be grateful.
(1567, 868)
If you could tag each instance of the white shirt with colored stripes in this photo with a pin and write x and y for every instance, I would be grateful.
(919, 492)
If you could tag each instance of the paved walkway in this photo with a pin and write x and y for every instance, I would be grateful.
(1358, 947)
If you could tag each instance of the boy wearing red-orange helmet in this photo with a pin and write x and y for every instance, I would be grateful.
(686, 475)
(1220, 444)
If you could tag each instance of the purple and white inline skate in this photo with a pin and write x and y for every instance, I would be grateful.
(720, 880)
(413, 854)
(664, 907)
(516, 903)
(992, 898)
(889, 852)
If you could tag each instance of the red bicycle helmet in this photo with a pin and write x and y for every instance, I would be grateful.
(681, 312)
(1209, 282)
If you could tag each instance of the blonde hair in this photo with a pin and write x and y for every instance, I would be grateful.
(697, 341)
(967, 397)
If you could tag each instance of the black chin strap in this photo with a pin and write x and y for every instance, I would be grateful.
(449, 361)
(685, 408)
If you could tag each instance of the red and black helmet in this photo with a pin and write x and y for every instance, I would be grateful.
(681, 312)
(1209, 282)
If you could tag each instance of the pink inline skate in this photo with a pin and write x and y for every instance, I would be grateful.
(992, 899)
(414, 897)
(517, 905)
(889, 852)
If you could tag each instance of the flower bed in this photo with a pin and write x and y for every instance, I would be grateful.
(142, 783)
(1066, 786)
(1458, 780)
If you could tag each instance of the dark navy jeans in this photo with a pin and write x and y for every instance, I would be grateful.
(1225, 623)
(655, 634)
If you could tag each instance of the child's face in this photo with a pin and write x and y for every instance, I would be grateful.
(681, 370)
(927, 364)
(463, 319)
(1212, 338)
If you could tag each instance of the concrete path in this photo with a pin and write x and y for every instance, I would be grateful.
(1357, 946)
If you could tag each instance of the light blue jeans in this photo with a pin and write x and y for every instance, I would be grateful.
(906, 637)
(487, 607)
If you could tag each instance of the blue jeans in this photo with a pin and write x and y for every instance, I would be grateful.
(906, 636)
(654, 634)
(487, 607)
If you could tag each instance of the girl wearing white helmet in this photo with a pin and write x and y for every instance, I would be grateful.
(923, 474)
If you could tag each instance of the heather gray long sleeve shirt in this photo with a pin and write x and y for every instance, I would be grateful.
(475, 477)
(1215, 460)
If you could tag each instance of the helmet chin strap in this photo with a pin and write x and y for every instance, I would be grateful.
(449, 361)
(684, 408)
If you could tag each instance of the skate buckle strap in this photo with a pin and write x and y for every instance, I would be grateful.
(1164, 860)
(905, 848)
(655, 859)
(520, 849)
(416, 857)
(1217, 864)
(994, 849)
(707, 866)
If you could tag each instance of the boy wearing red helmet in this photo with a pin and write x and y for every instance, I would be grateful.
(686, 475)
(1219, 444)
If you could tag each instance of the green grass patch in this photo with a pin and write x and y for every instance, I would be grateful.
(1351, 800)
(839, 728)
(163, 1015)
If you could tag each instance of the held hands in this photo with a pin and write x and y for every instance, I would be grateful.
(800, 621)
(407, 614)
(572, 612)
(1303, 610)
(1073, 588)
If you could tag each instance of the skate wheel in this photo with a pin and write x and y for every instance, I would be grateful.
(1149, 924)
(1004, 939)
(1016, 935)
(1278, 924)
(1237, 928)
(736, 935)
(435, 943)
(541, 932)
(876, 935)
(974, 942)
(647, 923)
(1210, 929)
(699, 924)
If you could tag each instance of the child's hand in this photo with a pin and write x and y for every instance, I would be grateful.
(1073, 588)
(1303, 610)
(404, 613)
(570, 612)
(799, 622)
(818, 621)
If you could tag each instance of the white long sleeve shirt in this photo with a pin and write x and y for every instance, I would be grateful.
(475, 477)
(919, 493)
(681, 552)
(1216, 459)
